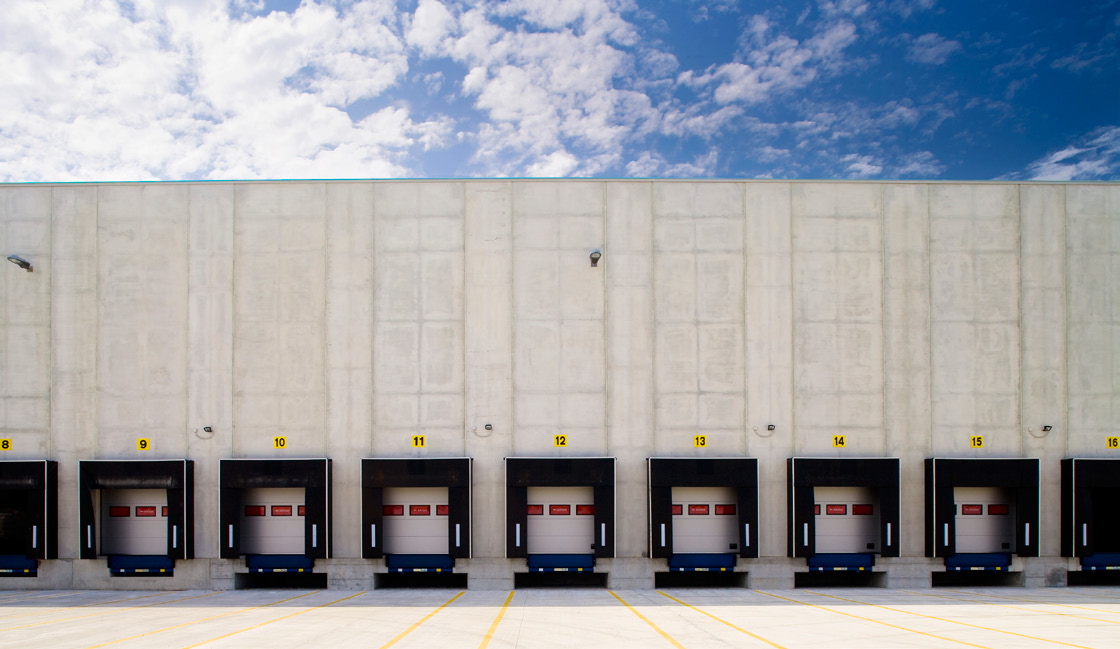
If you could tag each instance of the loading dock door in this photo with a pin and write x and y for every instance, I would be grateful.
(29, 509)
(1016, 483)
(15, 520)
(985, 519)
(133, 522)
(1105, 521)
(272, 520)
(561, 520)
(705, 520)
(846, 519)
(416, 520)
(1091, 510)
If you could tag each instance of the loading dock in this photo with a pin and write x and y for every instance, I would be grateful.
(275, 513)
(28, 516)
(981, 512)
(843, 512)
(703, 514)
(137, 513)
(416, 514)
(560, 512)
(1091, 517)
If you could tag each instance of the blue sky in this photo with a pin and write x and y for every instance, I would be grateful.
(99, 90)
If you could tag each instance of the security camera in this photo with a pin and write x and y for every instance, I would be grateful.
(23, 263)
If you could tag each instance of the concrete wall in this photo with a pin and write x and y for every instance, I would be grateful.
(350, 316)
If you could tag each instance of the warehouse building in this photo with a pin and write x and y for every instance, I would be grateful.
(493, 383)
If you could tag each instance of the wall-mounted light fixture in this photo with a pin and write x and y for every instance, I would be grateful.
(770, 427)
(489, 427)
(1047, 429)
(26, 265)
(595, 257)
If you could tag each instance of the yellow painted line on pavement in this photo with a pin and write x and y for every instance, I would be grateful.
(1093, 593)
(942, 619)
(67, 608)
(421, 621)
(497, 620)
(7, 602)
(283, 617)
(868, 619)
(1034, 601)
(116, 610)
(205, 619)
(646, 620)
(1017, 608)
(717, 619)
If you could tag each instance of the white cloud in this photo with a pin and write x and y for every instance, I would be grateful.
(907, 8)
(182, 89)
(1085, 57)
(844, 7)
(774, 62)
(1091, 157)
(431, 24)
(554, 165)
(651, 164)
(931, 49)
(558, 86)
(920, 164)
(861, 166)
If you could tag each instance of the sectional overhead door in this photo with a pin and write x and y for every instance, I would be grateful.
(561, 520)
(272, 520)
(847, 519)
(705, 520)
(134, 522)
(415, 520)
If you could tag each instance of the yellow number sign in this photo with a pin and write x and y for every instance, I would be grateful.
(279, 442)
(5, 444)
(1109, 442)
(699, 441)
(143, 444)
(418, 441)
(559, 440)
(839, 441)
